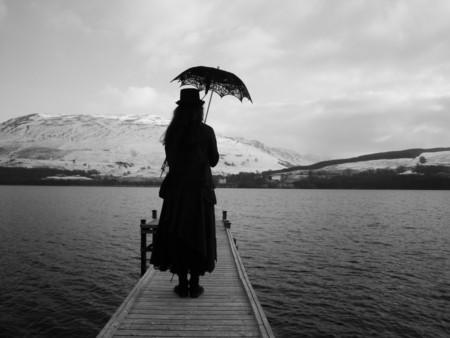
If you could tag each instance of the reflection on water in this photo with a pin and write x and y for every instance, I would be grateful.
(323, 262)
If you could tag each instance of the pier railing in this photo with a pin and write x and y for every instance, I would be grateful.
(152, 227)
(147, 229)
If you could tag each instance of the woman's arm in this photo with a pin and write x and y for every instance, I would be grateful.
(213, 153)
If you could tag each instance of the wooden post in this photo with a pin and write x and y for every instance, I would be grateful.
(154, 216)
(226, 223)
(150, 228)
(143, 249)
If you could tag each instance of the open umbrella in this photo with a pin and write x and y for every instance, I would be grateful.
(215, 80)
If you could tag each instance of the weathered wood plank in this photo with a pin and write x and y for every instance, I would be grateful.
(181, 321)
(189, 306)
(191, 314)
(187, 326)
(230, 316)
(196, 313)
(156, 333)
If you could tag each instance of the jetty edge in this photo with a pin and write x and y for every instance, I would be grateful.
(228, 308)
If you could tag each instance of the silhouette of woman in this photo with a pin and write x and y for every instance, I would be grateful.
(186, 239)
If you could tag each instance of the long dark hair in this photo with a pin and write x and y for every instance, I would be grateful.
(183, 129)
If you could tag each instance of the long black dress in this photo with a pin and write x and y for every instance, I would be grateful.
(186, 238)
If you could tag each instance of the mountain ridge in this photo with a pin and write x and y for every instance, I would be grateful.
(127, 145)
(412, 153)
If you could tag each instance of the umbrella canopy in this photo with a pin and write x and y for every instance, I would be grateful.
(214, 80)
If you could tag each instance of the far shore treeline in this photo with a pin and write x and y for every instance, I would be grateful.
(424, 177)
(372, 179)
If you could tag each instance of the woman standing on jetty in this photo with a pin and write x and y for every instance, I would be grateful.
(186, 239)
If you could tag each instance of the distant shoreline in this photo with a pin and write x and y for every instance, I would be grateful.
(374, 180)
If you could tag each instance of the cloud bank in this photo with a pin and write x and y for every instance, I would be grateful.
(341, 78)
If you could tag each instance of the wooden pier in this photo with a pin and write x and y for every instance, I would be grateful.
(228, 308)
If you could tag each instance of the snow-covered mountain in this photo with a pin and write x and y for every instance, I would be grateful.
(286, 156)
(121, 146)
(439, 157)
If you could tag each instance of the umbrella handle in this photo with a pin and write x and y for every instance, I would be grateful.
(209, 103)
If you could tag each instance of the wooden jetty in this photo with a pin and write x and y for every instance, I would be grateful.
(228, 308)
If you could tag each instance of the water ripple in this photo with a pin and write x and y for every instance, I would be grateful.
(323, 263)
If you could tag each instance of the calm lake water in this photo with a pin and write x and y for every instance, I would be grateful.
(324, 263)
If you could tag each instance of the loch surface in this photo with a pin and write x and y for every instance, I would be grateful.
(324, 263)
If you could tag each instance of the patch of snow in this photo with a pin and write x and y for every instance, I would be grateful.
(69, 178)
(367, 165)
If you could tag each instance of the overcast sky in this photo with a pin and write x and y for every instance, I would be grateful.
(338, 77)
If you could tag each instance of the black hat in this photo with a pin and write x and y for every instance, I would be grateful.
(189, 96)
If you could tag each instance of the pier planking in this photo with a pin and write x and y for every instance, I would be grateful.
(228, 308)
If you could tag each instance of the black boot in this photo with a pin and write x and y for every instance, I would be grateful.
(195, 289)
(182, 289)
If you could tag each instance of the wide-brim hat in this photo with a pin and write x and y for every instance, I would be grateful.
(189, 96)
